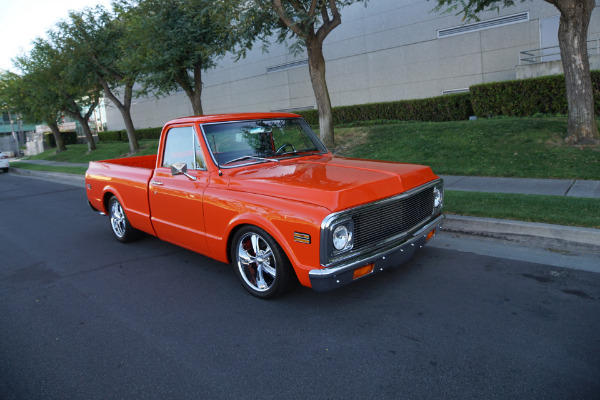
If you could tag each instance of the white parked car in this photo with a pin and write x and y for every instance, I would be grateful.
(4, 162)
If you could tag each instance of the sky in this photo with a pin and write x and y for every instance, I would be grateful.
(21, 21)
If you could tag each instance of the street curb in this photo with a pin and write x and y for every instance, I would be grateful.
(58, 176)
(588, 238)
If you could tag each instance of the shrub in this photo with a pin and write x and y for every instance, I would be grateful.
(527, 97)
(111, 136)
(147, 133)
(520, 98)
(442, 108)
(121, 136)
(68, 138)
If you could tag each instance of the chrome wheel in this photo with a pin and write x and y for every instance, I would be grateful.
(256, 263)
(119, 223)
(117, 219)
(260, 263)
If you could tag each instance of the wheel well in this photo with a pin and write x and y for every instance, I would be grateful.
(230, 239)
(237, 228)
(106, 199)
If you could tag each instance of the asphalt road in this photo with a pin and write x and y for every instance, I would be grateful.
(85, 317)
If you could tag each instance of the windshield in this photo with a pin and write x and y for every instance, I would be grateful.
(236, 143)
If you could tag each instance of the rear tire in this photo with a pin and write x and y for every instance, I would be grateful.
(119, 223)
(5, 170)
(260, 263)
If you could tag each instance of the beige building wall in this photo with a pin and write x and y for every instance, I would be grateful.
(388, 50)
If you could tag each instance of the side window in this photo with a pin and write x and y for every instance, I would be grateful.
(200, 164)
(182, 147)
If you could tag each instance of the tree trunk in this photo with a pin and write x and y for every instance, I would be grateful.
(60, 143)
(86, 129)
(88, 133)
(572, 38)
(197, 99)
(125, 109)
(316, 68)
(134, 147)
(194, 93)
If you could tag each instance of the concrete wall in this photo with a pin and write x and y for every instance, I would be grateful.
(386, 51)
(550, 68)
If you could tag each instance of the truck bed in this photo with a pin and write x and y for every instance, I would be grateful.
(128, 177)
(148, 162)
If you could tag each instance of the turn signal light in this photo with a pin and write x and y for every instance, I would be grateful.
(430, 234)
(362, 271)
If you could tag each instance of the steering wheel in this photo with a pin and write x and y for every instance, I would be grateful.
(281, 148)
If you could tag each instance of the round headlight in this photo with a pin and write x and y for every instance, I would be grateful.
(438, 198)
(341, 237)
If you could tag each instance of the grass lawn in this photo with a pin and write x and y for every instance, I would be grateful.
(558, 210)
(505, 147)
(36, 167)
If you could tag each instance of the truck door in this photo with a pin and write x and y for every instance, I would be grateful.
(176, 207)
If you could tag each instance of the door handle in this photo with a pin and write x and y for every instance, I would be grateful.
(156, 183)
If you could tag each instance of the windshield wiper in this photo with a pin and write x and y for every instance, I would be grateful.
(301, 152)
(251, 157)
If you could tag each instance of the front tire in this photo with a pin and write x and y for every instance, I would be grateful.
(260, 263)
(119, 223)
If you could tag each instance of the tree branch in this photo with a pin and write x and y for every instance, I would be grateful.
(298, 7)
(313, 7)
(287, 21)
(91, 110)
(325, 14)
(329, 24)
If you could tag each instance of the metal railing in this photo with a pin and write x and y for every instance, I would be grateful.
(546, 54)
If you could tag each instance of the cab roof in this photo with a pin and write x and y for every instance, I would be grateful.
(203, 119)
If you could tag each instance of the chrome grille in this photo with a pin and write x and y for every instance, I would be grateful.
(388, 220)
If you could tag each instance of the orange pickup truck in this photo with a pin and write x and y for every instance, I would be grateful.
(260, 191)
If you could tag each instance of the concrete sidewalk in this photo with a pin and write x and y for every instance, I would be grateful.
(548, 187)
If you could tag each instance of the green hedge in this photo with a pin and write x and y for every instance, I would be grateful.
(526, 97)
(522, 98)
(121, 136)
(68, 138)
(442, 108)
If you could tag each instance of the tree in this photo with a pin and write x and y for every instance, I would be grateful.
(75, 90)
(310, 22)
(96, 39)
(28, 95)
(575, 18)
(175, 41)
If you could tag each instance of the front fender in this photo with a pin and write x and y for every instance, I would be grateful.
(285, 220)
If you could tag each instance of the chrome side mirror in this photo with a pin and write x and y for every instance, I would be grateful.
(181, 169)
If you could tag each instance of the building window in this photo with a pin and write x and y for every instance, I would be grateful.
(481, 25)
(455, 91)
(290, 65)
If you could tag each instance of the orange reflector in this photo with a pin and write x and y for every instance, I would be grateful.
(362, 271)
(430, 234)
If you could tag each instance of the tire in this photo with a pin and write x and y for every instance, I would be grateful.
(119, 223)
(260, 263)
(5, 170)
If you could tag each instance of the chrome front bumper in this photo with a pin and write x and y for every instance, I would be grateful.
(336, 276)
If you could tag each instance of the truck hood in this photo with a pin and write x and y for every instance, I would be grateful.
(335, 183)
